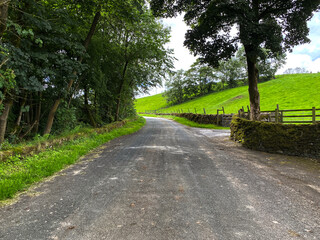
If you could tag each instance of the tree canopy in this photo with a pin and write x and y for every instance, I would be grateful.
(65, 63)
(272, 24)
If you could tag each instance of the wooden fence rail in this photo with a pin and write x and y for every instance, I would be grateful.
(287, 116)
(184, 110)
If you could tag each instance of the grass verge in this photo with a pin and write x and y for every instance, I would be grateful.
(294, 91)
(17, 175)
(186, 121)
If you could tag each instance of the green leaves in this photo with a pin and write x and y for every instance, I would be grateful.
(23, 33)
(45, 56)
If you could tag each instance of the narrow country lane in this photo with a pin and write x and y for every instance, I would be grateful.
(167, 182)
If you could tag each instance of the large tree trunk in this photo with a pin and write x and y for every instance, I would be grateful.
(85, 44)
(51, 115)
(23, 103)
(19, 118)
(119, 102)
(4, 4)
(253, 87)
(4, 117)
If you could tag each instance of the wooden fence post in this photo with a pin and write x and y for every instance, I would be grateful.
(313, 115)
(204, 111)
(223, 110)
(218, 117)
(277, 114)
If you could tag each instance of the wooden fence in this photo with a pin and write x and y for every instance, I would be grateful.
(183, 110)
(287, 116)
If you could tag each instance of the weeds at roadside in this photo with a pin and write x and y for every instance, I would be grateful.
(18, 174)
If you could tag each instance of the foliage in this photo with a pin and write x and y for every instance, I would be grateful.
(295, 70)
(259, 24)
(230, 72)
(204, 77)
(66, 119)
(176, 84)
(76, 62)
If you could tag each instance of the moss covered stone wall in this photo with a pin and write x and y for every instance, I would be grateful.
(199, 118)
(220, 120)
(298, 140)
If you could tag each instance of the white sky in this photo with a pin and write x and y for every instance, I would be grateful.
(307, 55)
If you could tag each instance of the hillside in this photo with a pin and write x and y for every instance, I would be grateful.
(289, 91)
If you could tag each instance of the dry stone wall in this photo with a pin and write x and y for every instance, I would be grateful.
(298, 140)
(220, 120)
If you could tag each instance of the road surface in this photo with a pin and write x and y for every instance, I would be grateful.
(168, 181)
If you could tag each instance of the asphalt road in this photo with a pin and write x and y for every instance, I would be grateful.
(168, 181)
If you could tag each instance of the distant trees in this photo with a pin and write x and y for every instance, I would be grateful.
(64, 63)
(296, 70)
(271, 24)
(175, 85)
(202, 79)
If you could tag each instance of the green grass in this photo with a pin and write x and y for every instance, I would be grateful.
(186, 121)
(289, 91)
(150, 103)
(17, 175)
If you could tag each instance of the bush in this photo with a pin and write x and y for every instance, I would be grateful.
(65, 119)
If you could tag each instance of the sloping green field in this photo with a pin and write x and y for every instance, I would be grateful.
(150, 103)
(289, 91)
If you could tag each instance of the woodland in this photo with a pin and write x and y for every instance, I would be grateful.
(76, 62)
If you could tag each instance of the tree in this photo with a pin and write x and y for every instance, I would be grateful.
(235, 68)
(92, 16)
(75, 60)
(4, 4)
(259, 23)
(17, 36)
(296, 70)
(138, 40)
(230, 71)
(175, 93)
(204, 75)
